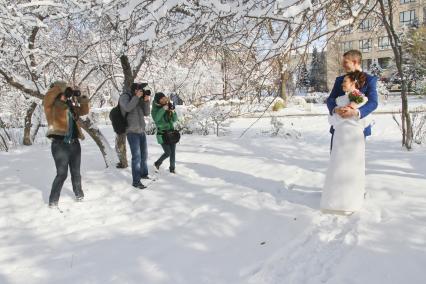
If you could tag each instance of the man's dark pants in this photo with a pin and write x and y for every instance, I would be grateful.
(139, 149)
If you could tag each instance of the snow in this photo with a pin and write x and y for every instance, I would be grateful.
(240, 210)
(40, 3)
(292, 11)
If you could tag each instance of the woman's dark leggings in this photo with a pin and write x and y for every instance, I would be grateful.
(169, 151)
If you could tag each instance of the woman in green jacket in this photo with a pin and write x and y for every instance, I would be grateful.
(164, 116)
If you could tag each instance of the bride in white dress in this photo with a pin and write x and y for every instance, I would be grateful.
(344, 187)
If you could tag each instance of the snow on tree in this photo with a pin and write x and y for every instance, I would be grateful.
(102, 46)
(303, 81)
(375, 70)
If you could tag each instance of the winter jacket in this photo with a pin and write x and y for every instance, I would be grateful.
(137, 109)
(56, 111)
(163, 120)
(370, 91)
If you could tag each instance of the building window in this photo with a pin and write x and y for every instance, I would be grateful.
(406, 1)
(407, 17)
(366, 25)
(366, 63)
(383, 43)
(346, 46)
(384, 62)
(365, 45)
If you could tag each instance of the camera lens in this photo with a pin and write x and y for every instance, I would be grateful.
(68, 92)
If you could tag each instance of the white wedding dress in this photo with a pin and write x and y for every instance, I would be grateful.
(344, 185)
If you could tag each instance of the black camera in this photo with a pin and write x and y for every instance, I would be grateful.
(69, 92)
(141, 87)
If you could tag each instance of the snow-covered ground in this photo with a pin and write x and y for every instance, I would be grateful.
(297, 107)
(240, 210)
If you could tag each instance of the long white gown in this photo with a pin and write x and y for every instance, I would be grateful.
(344, 185)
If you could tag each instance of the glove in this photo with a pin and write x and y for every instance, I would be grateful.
(166, 107)
(61, 84)
(83, 99)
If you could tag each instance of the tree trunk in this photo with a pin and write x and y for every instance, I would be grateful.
(283, 87)
(284, 76)
(3, 140)
(120, 140)
(127, 72)
(224, 68)
(28, 124)
(406, 124)
(407, 127)
(120, 149)
(395, 41)
(100, 140)
(3, 144)
(37, 128)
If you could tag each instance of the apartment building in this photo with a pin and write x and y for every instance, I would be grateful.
(369, 36)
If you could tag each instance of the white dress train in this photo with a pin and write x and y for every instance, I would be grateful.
(344, 185)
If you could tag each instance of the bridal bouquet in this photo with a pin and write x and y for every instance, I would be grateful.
(356, 96)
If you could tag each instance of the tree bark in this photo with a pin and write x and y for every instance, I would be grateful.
(407, 127)
(28, 124)
(127, 72)
(120, 140)
(120, 149)
(37, 128)
(395, 41)
(3, 140)
(283, 85)
(100, 140)
(224, 68)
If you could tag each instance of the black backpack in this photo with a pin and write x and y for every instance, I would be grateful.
(118, 121)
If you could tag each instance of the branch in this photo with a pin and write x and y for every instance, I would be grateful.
(11, 81)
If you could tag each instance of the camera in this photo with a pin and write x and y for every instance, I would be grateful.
(69, 92)
(141, 87)
(171, 105)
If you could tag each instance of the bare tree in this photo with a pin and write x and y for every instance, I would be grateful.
(387, 12)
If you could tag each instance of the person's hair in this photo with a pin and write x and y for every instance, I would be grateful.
(358, 77)
(354, 54)
(158, 96)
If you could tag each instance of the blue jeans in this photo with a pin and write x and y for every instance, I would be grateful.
(169, 151)
(66, 155)
(139, 150)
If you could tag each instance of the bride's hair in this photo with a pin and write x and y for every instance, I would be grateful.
(358, 77)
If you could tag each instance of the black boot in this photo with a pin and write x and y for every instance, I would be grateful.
(139, 185)
(120, 166)
(157, 166)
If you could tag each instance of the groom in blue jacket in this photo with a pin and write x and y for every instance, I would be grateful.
(352, 62)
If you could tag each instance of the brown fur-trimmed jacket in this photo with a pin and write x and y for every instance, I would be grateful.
(56, 112)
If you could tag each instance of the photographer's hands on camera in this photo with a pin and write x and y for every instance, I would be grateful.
(140, 94)
(169, 107)
(71, 98)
